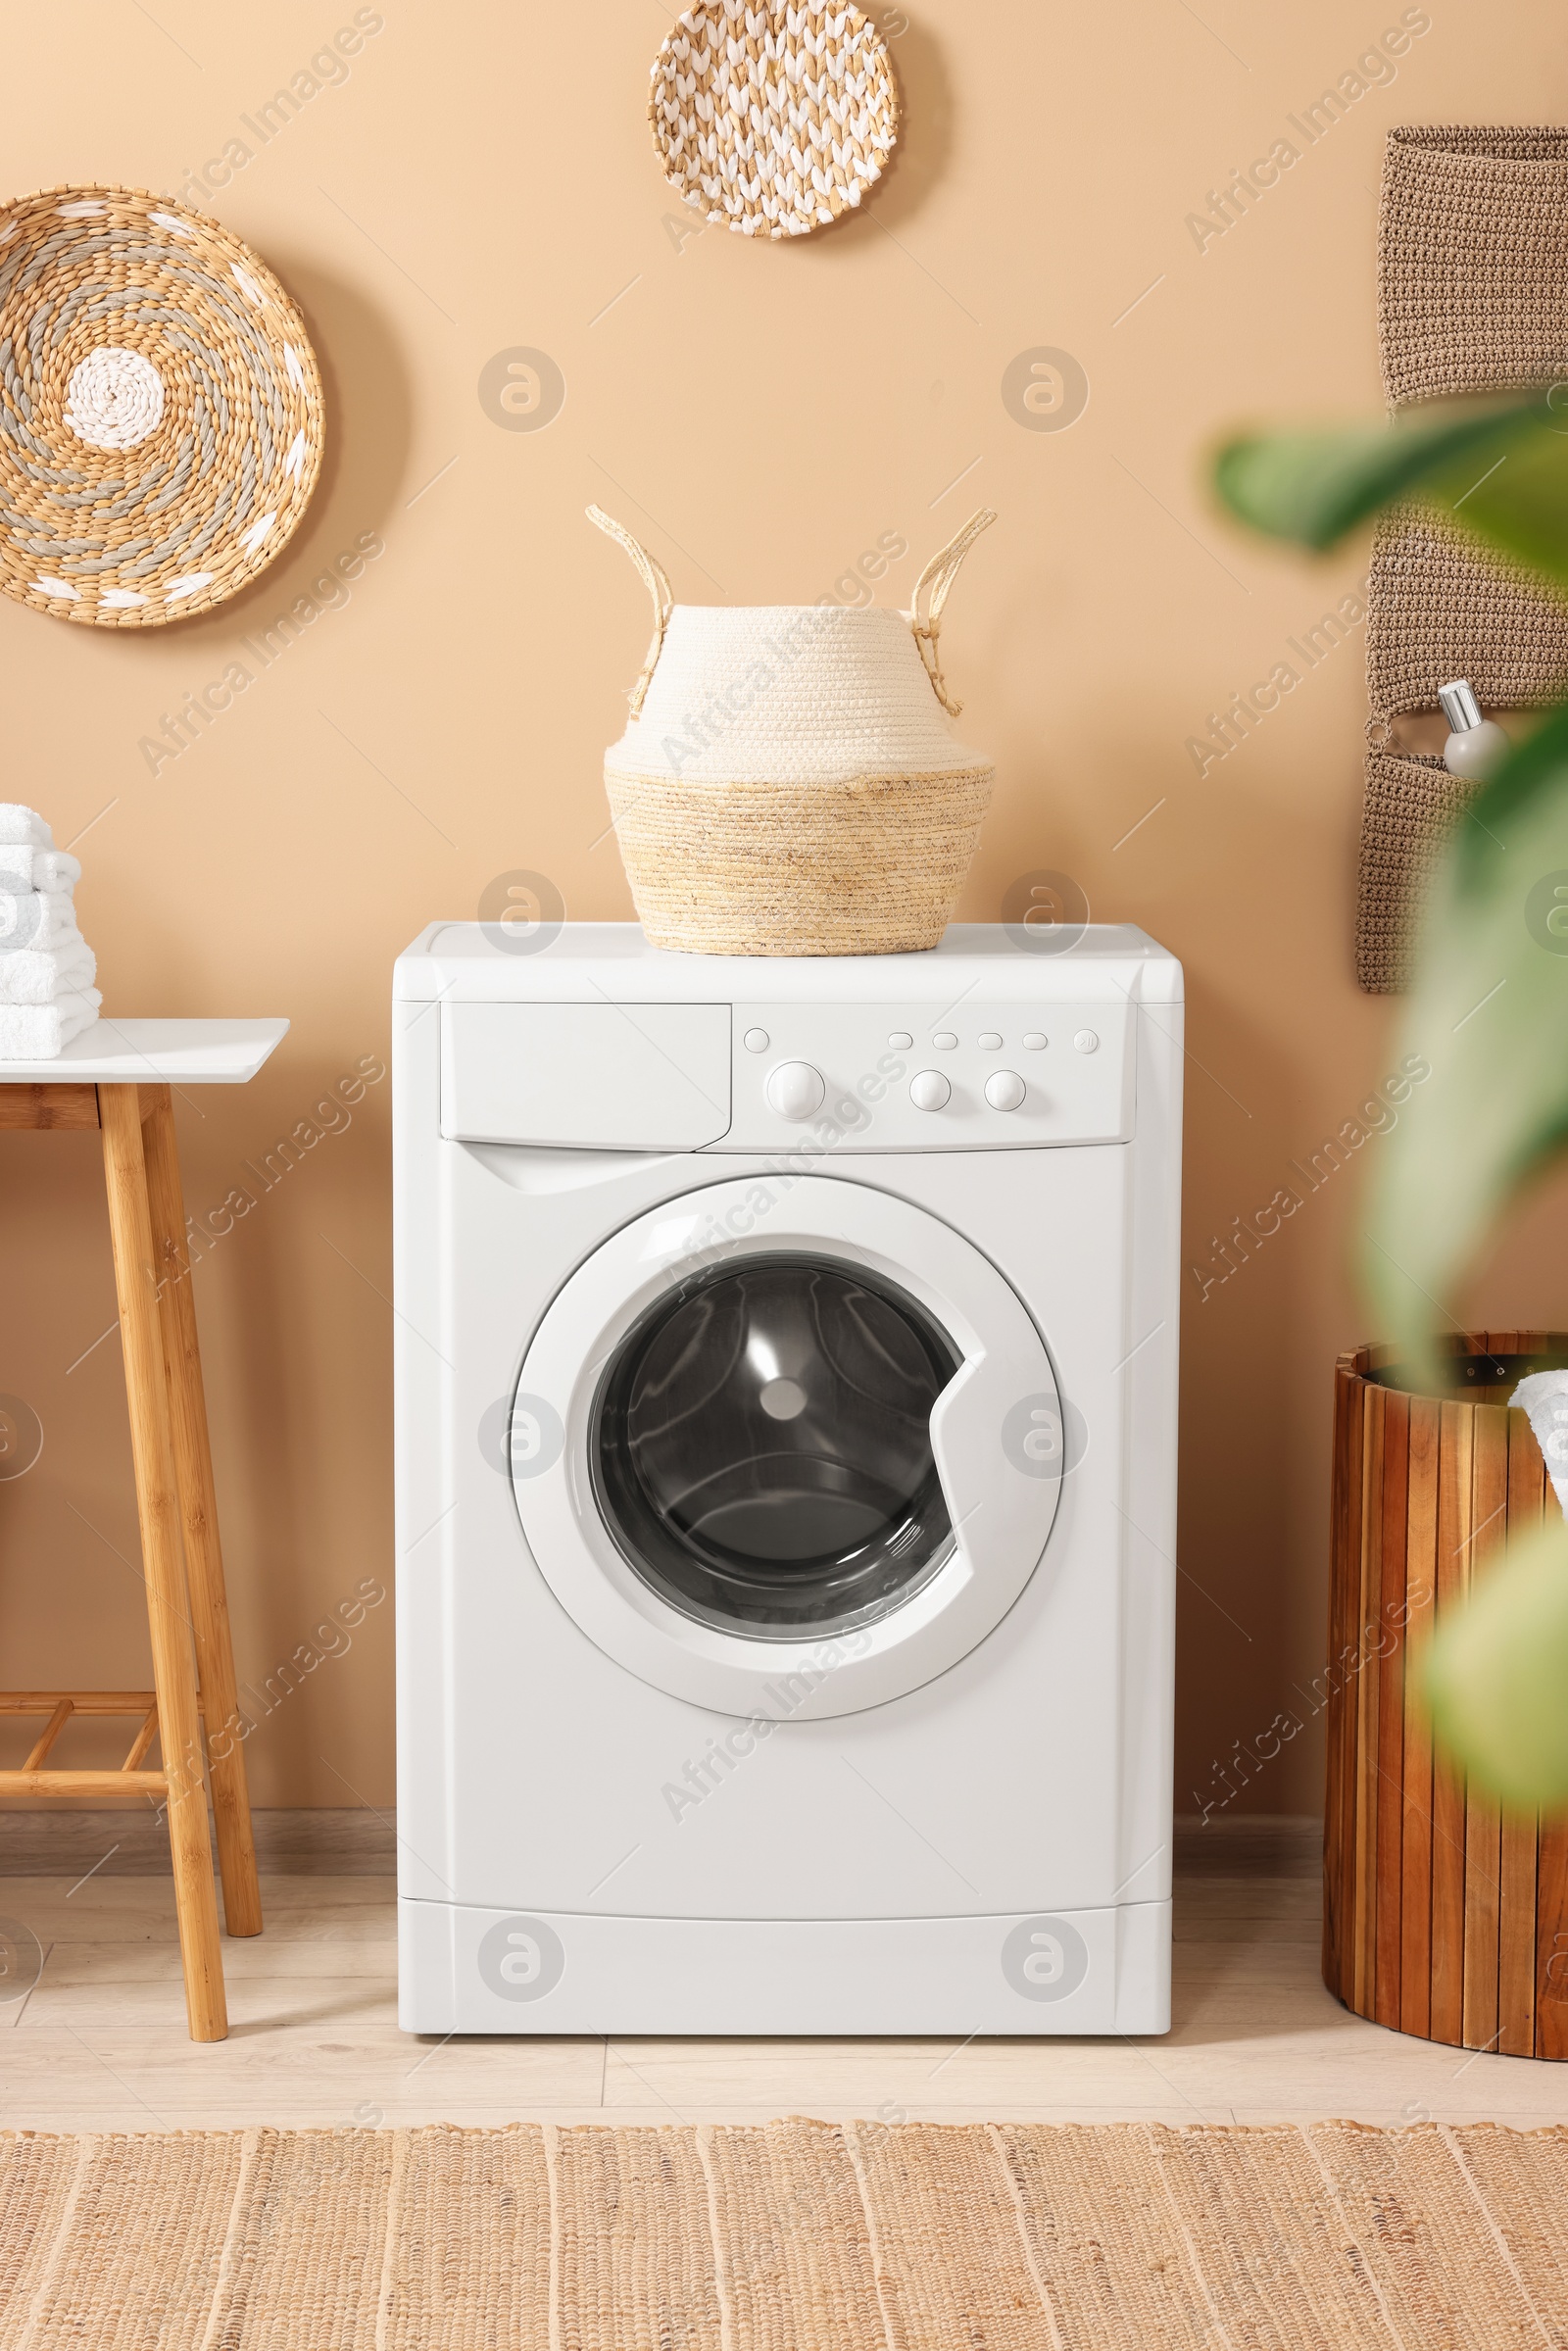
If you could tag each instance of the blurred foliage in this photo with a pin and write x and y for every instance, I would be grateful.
(1488, 1011)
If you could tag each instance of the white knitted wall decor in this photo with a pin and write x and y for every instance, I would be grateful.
(773, 120)
(161, 420)
(787, 784)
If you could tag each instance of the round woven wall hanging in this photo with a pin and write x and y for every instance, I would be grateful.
(773, 120)
(160, 409)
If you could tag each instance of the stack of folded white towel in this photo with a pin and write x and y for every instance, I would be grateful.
(47, 968)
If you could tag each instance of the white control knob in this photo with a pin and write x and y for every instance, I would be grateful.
(1005, 1090)
(795, 1090)
(1086, 1042)
(929, 1089)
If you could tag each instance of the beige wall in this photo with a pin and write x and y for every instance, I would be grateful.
(482, 181)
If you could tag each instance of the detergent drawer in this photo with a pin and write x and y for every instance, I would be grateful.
(586, 1076)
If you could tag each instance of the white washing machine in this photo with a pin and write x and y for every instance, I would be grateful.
(786, 1442)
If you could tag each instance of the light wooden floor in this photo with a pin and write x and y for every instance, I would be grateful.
(99, 2043)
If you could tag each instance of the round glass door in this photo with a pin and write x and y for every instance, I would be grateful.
(760, 1446)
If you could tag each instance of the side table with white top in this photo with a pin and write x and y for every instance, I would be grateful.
(116, 1077)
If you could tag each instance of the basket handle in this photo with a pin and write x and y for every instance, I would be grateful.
(938, 578)
(655, 579)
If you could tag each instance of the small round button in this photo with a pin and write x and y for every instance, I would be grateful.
(795, 1090)
(1086, 1042)
(990, 1042)
(945, 1041)
(900, 1040)
(756, 1041)
(1005, 1090)
(1036, 1041)
(929, 1089)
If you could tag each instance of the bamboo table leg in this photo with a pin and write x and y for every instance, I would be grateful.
(157, 1507)
(204, 1558)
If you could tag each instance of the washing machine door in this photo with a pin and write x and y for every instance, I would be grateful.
(787, 1446)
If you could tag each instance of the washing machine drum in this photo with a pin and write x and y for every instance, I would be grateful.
(762, 1446)
(786, 1447)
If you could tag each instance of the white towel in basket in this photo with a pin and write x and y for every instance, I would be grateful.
(25, 825)
(1544, 1396)
(25, 867)
(37, 919)
(37, 1031)
(38, 975)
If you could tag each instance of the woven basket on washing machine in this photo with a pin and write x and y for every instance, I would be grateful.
(786, 785)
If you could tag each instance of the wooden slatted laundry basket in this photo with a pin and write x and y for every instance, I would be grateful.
(1443, 1915)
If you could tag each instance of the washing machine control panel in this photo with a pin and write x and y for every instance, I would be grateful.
(899, 1077)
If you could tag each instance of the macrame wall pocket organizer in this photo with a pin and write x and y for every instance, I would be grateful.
(773, 120)
(1472, 298)
(160, 409)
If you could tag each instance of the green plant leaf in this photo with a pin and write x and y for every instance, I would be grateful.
(1486, 1033)
(1512, 493)
(1533, 769)
(1499, 470)
(1493, 975)
(1487, 1017)
(1497, 1674)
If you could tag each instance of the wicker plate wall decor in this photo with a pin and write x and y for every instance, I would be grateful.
(160, 416)
(775, 120)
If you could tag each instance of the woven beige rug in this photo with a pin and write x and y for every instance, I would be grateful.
(790, 2237)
